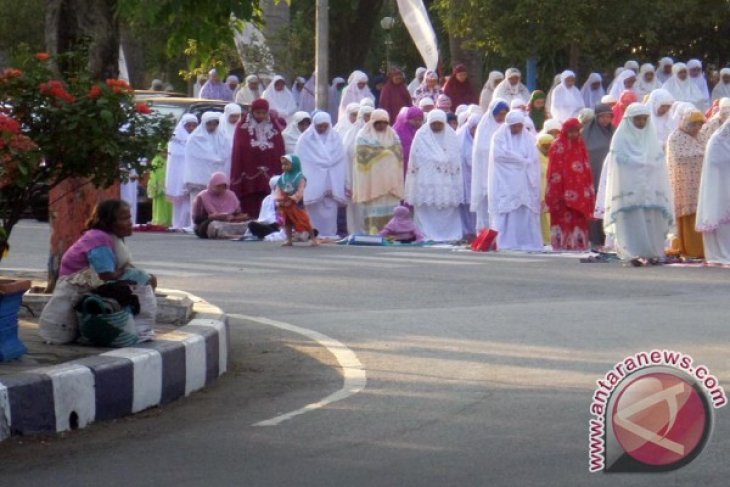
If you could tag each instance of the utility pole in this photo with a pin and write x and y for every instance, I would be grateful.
(322, 56)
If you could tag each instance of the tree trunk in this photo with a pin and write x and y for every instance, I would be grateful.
(473, 60)
(574, 57)
(68, 24)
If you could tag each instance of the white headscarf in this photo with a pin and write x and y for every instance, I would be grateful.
(292, 133)
(495, 77)
(480, 154)
(721, 89)
(226, 128)
(514, 169)
(566, 102)
(281, 101)
(644, 87)
(206, 153)
(592, 97)
(434, 168)
(713, 208)
(333, 100)
(618, 86)
(323, 162)
(632, 65)
(507, 91)
(344, 123)
(350, 137)
(245, 95)
(637, 172)
(174, 184)
(352, 93)
(686, 90)
(700, 81)
(295, 91)
(662, 124)
(416, 82)
(661, 76)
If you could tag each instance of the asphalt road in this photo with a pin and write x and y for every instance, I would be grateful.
(480, 369)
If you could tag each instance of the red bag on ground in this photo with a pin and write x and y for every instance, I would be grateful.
(485, 241)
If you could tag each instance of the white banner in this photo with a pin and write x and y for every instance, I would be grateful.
(415, 18)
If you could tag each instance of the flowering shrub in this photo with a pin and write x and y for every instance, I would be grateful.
(59, 125)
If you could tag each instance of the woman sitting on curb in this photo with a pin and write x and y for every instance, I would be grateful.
(98, 257)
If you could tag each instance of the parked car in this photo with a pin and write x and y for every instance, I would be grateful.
(140, 95)
(179, 106)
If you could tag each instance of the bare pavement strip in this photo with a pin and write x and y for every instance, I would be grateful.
(479, 372)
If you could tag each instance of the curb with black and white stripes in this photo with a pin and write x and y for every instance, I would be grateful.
(119, 382)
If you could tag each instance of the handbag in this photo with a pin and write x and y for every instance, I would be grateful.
(485, 241)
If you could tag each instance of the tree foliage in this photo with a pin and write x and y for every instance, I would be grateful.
(600, 35)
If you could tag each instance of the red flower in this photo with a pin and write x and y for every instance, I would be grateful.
(42, 56)
(95, 92)
(8, 124)
(143, 108)
(56, 89)
(118, 85)
(12, 73)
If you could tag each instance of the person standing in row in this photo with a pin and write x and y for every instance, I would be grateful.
(639, 212)
(466, 135)
(377, 176)
(299, 124)
(459, 89)
(249, 92)
(570, 193)
(356, 91)
(161, 206)
(512, 87)
(395, 94)
(280, 98)
(485, 98)
(257, 149)
(567, 100)
(597, 136)
(713, 207)
(215, 89)
(206, 152)
(434, 184)
(514, 187)
(324, 164)
(685, 152)
(488, 125)
(175, 174)
(429, 88)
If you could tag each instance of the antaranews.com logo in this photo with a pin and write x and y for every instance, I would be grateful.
(652, 412)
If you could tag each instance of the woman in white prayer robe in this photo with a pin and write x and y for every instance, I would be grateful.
(206, 152)
(626, 80)
(683, 88)
(514, 187)
(488, 125)
(355, 216)
(280, 98)
(698, 78)
(660, 103)
(722, 88)
(639, 208)
(512, 87)
(713, 208)
(466, 135)
(324, 162)
(485, 98)
(647, 81)
(434, 184)
(345, 123)
(567, 100)
(592, 90)
(175, 172)
(416, 82)
(250, 91)
(228, 122)
(356, 90)
(299, 124)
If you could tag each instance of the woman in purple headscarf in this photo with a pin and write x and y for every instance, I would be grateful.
(406, 125)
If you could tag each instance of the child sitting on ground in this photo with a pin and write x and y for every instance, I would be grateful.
(401, 228)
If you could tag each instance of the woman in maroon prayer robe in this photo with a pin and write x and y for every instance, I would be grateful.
(459, 88)
(257, 149)
(395, 95)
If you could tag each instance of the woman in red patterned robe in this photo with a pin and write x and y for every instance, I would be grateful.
(570, 193)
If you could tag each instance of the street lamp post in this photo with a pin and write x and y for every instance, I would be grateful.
(387, 24)
(322, 55)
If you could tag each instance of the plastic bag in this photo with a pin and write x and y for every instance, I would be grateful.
(485, 241)
(145, 320)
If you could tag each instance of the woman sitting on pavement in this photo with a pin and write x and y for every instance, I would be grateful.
(96, 258)
(217, 211)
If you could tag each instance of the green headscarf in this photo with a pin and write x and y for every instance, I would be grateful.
(537, 115)
(290, 180)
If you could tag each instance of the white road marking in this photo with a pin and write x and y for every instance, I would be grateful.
(353, 373)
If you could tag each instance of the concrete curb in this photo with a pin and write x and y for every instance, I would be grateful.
(119, 382)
